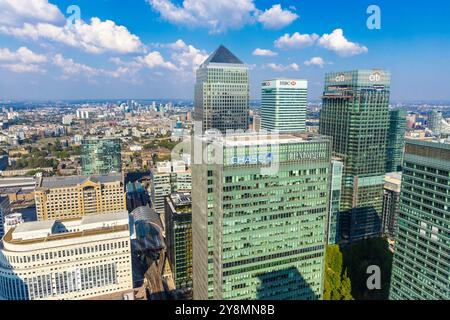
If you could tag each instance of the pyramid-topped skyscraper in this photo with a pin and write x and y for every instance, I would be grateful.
(222, 92)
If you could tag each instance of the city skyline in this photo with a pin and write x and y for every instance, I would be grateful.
(143, 51)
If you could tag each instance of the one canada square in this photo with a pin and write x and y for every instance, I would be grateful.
(222, 93)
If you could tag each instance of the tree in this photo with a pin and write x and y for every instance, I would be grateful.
(337, 285)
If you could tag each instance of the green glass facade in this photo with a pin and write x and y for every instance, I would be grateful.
(421, 266)
(100, 156)
(396, 140)
(355, 114)
(335, 202)
(261, 235)
(178, 215)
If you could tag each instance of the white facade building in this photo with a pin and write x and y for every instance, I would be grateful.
(283, 105)
(67, 260)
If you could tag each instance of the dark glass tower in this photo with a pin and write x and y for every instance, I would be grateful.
(421, 266)
(100, 156)
(396, 140)
(222, 92)
(355, 114)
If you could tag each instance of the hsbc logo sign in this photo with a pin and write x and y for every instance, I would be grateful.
(375, 77)
(288, 83)
(282, 83)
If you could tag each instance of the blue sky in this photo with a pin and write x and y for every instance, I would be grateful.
(150, 48)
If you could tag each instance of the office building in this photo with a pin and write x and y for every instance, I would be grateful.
(222, 93)
(178, 214)
(421, 265)
(391, 201)
(355, 114)
(72, 260)
(169, 177)
(435, 120)
(60, 198)
(283, 105)
(256, 124)
(100, 156)
(260, 213)
(335, 201)
(396, 140)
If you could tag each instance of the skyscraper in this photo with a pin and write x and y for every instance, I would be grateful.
(283, 105)
(355, 114)
(421, 266)
(260, 234)
(222, 92)
(395, 140)
(100, 156)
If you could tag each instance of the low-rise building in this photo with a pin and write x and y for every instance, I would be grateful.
(77, 196)
(67, 260)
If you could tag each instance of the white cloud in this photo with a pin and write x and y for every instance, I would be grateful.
(218, 15)
(22, 61)
(280, 67)
(337, 43)
(264, 52)
(276, 17)
(187, 57)
(315, 61)
(96, 37)
(70, 68)
(23, 55)
(184, 59)
(23, 68)
(17, 12)
(155, 60)
(296, 41)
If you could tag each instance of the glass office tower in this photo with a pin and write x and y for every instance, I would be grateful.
(222, 92)
(355, 114)
(335, 201)
(283, 105)
(257, 233)
(100, 156)
(421, 266)
(396, 140)
(178, 215)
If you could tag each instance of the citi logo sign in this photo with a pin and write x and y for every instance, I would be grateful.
(340, 78)
(375, 77)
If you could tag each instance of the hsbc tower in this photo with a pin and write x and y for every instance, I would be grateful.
(283, 105)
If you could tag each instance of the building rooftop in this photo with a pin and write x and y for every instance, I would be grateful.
(223, 55)
(181, 199)
(235, 140)
(63, 182)
(41, 231)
